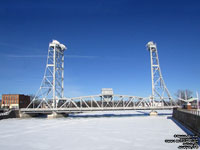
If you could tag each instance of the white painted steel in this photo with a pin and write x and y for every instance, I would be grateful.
(50, 96)
(99, 103)
(159, 89)
(52, 86)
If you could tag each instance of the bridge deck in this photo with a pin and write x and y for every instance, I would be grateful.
(76, 110)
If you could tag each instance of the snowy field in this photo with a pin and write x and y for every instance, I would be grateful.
(126, 130)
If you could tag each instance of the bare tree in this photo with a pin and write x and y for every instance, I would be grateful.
(183, 94)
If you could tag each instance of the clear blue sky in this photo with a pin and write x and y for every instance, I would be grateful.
(106, 44)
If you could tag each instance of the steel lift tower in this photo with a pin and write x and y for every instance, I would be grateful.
(52, 86)
(160, 92)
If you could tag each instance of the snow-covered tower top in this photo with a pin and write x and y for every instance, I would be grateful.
(62, 47)
(150, 45)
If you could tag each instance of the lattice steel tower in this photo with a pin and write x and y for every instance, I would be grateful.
(159, 90)
(52, 86)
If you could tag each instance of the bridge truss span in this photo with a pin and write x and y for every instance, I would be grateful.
(99, 103)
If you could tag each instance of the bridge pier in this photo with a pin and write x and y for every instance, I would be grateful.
(26, 115)
(56, 115)
(153, 113)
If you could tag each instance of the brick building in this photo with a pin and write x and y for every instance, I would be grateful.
(15, 101)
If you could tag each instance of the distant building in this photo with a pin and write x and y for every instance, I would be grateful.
(15, 101)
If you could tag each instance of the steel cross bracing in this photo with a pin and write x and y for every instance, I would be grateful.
(159, 89)
(100, 103)
(52, 86)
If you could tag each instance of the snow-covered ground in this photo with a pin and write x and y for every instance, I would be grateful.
(127, 130)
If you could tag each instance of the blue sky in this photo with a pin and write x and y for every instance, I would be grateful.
(106, 44)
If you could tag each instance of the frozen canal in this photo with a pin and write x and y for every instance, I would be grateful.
(127, 130)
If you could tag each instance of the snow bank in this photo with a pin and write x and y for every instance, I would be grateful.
(101, 133)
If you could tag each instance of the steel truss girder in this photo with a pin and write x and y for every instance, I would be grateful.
(96, 103)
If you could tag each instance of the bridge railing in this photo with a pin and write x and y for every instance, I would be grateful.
(192, 111)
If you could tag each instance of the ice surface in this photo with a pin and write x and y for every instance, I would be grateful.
(126, 132)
